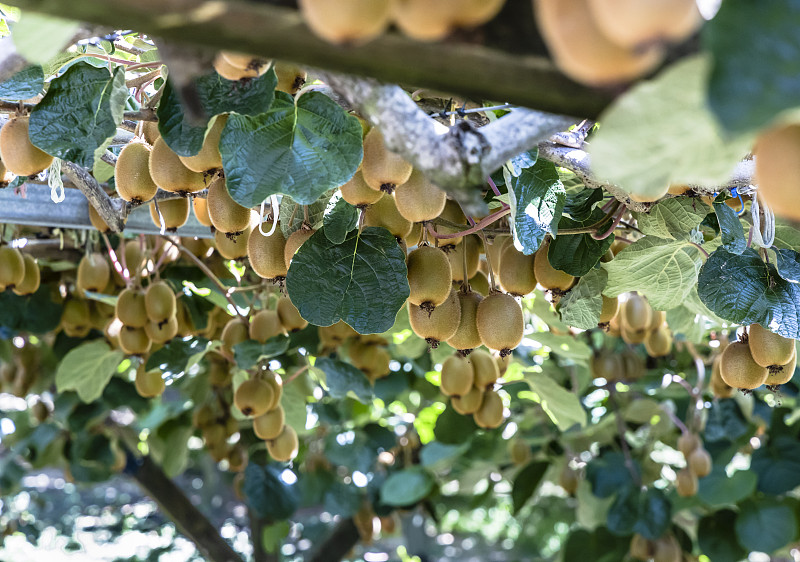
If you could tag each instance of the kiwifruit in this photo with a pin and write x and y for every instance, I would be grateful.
(169, 173)
(439, 325)
(425, 21)
(159, 302)
(777, 172)
(476, 12)
(469, 403)
(636, 312)
(150, 132)
(334, 335)
(266, 253)
(688, 442)
(234, 248)
(12, 267)
(235, 332)
(372, 359)
(467, 336)
(516, 271)
(93, 273)
(633, 24)
(30, 280)
(200, 206)
(225, 213)
(519, 451)
(631, 336)
(502, 361)
(641, 548)
(134, 341)
(699, 462)
(289, 315)
(485, 368)
(609, 310)
(649, 197)
(500, 322)
(99, 314)
(490, 414)
(162, 332)
(175, 213)
(607, 365)
(133, 255)
(549, 277)
(739, 370)
(276, 383)
(457, 376)
(358, 193)
(40, 411)
(149, 383)
(253, 397)
(383, 170)
(290, 77)
(346, 21)
(219, 371)
(769, 348)
(130, 308)
(293, 243)
(678, 189)
(719, 387)
(581, 50)
(783, 373)
(230, 71)
(568, 479)
(132, 173)
(75, 314)
(384, 213)
(285, 446)
(666, 548)
(452, 213)
(429, 277)
(480, 284)
(199, 247)
(97, 221)
(472, 246)
(209, 157)
(659, 342)
(658, 318)
(633, 366)
(686, 483)
(265, 324)
(418, 199)
(19, 155)
(269, 425)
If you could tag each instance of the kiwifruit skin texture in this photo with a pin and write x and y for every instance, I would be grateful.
(777, 173)
(490, 414)
(356, 191)
(229, 71)
(549, 277)
(699, 462)
(289, 315)
(226, 214)
(418, 199)
(636, 312)
(97, 221)
(134, 341)
(485, 368)
(472, 245)
(93, 272)
(12, 267)
(769, 348)
(290, 77)
(200, 207)
(149, 384)
(429, 276)
(159, 302)
(439, 325)
(253, 397)
(19, 155)
(266, 253)
(31, 278)
(347, 22)
(686, 483)
(516, 271)
(738, 369)
(457, 376)
(293, 243)
(786, 372)
(270, 424)
(170, 174)
(659, 342)
(264, 325)
(233, 249)
(384, 213)
(132, 173)
(285, 446)
(162, 332)
(632, 24)
(500, 322)
(276, 384)
(130, 308)
(382, 168)
(235, 332)
(467, 336)
(175, 213)
(209, 157)
(468, 403)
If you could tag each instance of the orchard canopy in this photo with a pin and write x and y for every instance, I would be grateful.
(400, 280)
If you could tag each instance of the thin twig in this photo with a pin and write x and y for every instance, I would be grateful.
(486, 221)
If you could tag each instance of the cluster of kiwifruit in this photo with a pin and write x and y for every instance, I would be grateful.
(698, 464)
(636, 322)
(759, 357)
(358, 21)
(605, 42)
(19, 155)
(469, 382)
(241, 66)
(664, 549)
(19, 375)
(217, 425)
(18, 272)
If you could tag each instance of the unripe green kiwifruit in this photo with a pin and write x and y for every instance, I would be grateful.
(159, 302)
(209, 157)
(457, 376)
(130, 308)
(289, 315)
(667, 548)
(777, 173)
(97, 221)
(30, 280)
(225, 213)
(285, 446)
(293, 243)
(769, 348)
(641, 548)
(490, 414)
(384, 213)
(175, 213)
(473, 246)
(485, 368)
(134, 341)
(781, 374)
(500, 322)
(686, 483)
(170, 174)
(516, 271)
(609, 310)
(346, 22)
(468, 403)
(633, 24)
(19, 155)
(234, 248)
(549, 277)
(439, 325)
(467, 336)
(452, 213)
(520, 452)
(253, 397)
(699, 462)
(291, 78)
(269, 425)
(372, 359)
(429, 277)
(230, 71)
(738, 369)
(419, 199)
(12, 267)
(264, 325)
(568, 479)
(719, 387)
(132, 173)
(200, 206)
(235, 332)
(383, 170)
(636, 312)
(162, 332)
(266, 253)
(659, 342)
(149, 384)
(93, 273)
(358, 193)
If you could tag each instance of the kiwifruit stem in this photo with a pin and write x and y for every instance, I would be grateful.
(120, 268)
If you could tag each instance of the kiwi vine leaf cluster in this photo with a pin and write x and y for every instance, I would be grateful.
(597, 365)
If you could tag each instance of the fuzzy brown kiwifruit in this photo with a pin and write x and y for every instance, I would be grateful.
(547, 276)
(291, 78)
(162, 332)
(200, 207)
(485, 368)
(699, 462)
(372, 359)
(469, 403)
(93, 273)
(347, 22)
(19, 155)
(739, 370)
(769, 348)
(384, 213)
(224, 66)
(418, 199)
(293, 243)
(686, 483)
(12, 267)
(480, 284)
(289, 315)
(270, 424)
(170, 174)
(777, 173)
(719, 387)
(75, 316)
(334, 335)
(150, 132)
(439, 325)
(149, 384)
(174, 212)
(423, 20)
(235, 248)
(659, 342)
(607, 365)
(285, 446)
(226, 214)
(569, 480)
(132, 173)
(667, 549)
(658, 318)
(636, 312)
(472, 246)
(265, 324)
(236, 331)
(267, 253)
(253, 397)
(134, 341)
(358, 193)
(633, 24)
(429, 277)
(97, 221)
(500, 322)
(467, 336)
(609, 309)
(781, 374)
(490, 414)
(383, 170)
(209, 157)
(688, 442)
(30, 280)
(244, 60)
(457, 376)
(159, 302)
(515, 272)
(130, 308)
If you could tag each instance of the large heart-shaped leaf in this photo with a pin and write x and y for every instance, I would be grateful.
(87, 369)
(537, 199)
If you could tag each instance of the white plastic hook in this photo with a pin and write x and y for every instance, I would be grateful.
(273, 204)
(55, 182)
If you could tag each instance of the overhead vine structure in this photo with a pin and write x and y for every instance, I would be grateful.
(504, 268)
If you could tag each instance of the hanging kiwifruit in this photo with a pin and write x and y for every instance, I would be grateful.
(769, 348)
(688, 442)
(609, 309)
(223, 64)
(236, 331)
(372, 359)
(30, 280)
(429, 277)
(358, 193)
(485, 368)
(633, 24)
(346, 21)
(439, 325)
(134, 341)
(266, 253)
(641, 548)
(452, 213)
(469, 403)
(97, 221)
(480, 284)
(162, 332)
(549, 277)
(686, 483)
(383, 169)
(150, 132)
(175, 213)
(472, 246)
(149, 384)
(285, 446)
(490, 414)
(658, 318)
(200, 206)
(418, 199)
(159, 302)
(289, 315)
(659, 342)
(19, 155)
(423, 20)
(519, 451)
(515, 271)
(132, 173)
(719, 387)
(243, 60)
(12, 267)
(384, 213)
(699, 462)
(334, 335)
(569, 480)
(269, 425)
(777, 171)
(130, 308)
(93, 273)
(170, 174)
(75, 317)
(467, 336)
(235, 248)
(265, 324)
(209, 157)
(457, 376)
(225, 213)
(253, 397)
(500, 322)
(607, 365)
(291, 78)
(739, 370)
(781, 374)
(636, 313)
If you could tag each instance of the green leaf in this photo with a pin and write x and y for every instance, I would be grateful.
(25, 84)
(170, 444)
(217, 95)
(39, 38)
(566, 346)
(248, 353)
(176, 355)
(87, 369)
(452, 428)
(664, 271)
(733, 239)
(269, 496)
(714, 537)
(526, 482)
(562, 406)
(787, 262)
(624, 511)
(341, 378)
(765, 525)
(671, 217)
(777, 465)
(581, 307)
(690, 146)
(341, 219)
(362, 281)
(577, 254)
(655, 514)
(293, 400)
(35, 313)
(299, 149)
(436, 454)
(787, 237)
(272, 536)
(537, 199)
(80, 113)
(580, 205)
(742, 289)
(597, 546)
(718, 489)
(406, 487)
(293, 214)
(608, 474)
